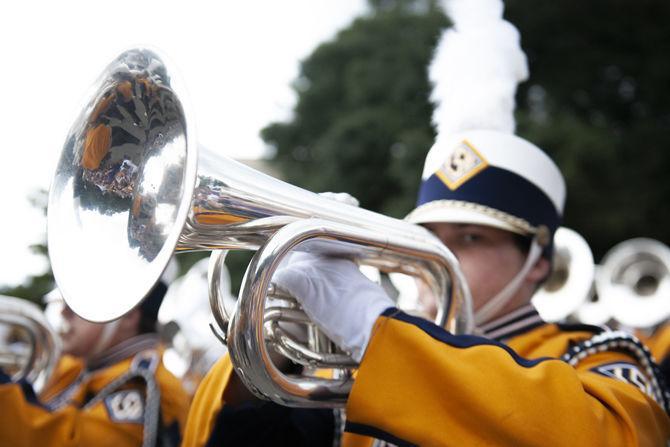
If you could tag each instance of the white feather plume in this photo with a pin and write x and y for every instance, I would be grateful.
(476, 68)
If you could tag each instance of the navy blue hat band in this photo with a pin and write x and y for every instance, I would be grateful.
(501, 190)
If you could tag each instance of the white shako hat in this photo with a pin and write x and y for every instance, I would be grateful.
(491, 178)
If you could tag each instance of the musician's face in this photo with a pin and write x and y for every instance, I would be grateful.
(489, 258)
(78, 335)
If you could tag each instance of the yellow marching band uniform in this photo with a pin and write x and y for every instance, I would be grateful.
(528, 362)
(420, 383)
(494, 199)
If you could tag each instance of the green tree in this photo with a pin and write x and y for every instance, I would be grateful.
(35, 287)
(362, 123)
(598, 102)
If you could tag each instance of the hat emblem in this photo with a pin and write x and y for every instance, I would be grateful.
(463, 163)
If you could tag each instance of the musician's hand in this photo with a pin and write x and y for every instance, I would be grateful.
(336, 296)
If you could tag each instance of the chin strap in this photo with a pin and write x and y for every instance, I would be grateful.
(106, 336)
(500, 300)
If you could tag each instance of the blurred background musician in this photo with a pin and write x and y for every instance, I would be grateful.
(109, 388)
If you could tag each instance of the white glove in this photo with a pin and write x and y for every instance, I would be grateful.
(341, 197)
(336, 296)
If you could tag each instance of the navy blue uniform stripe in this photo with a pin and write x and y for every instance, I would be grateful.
(459, 341)
(499, 189)
(4, 378)
(367, 430)
(26, 389)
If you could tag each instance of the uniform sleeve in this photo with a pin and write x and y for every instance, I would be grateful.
(174, 407)
(420, 385)
(207, 404)
(255, 423)
(25, 422)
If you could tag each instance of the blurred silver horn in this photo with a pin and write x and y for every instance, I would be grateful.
(571, 280)
(29, 347)
(634, 282)
(127, 194)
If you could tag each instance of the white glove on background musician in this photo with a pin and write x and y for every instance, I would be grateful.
(336, 296)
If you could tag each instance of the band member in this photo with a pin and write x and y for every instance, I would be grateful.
(495, 200)
(110, 388)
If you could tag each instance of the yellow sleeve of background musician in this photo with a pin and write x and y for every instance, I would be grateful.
(114, 421)
(175, 401)
(207, 404)
(420, 385)
(65, 373)
(24, 422)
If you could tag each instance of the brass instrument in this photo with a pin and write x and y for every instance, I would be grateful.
(130, 190)
(29, 347)
(594, 310)
(571, 281)
(634, 282)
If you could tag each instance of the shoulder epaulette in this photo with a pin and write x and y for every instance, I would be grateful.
(624, 342)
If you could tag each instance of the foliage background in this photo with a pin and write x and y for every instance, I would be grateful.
(597, 101)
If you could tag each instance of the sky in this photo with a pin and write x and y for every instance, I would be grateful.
(237, 60)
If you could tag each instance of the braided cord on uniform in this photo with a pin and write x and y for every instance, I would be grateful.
(627, 343)
(522, 225)
(152, 405)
